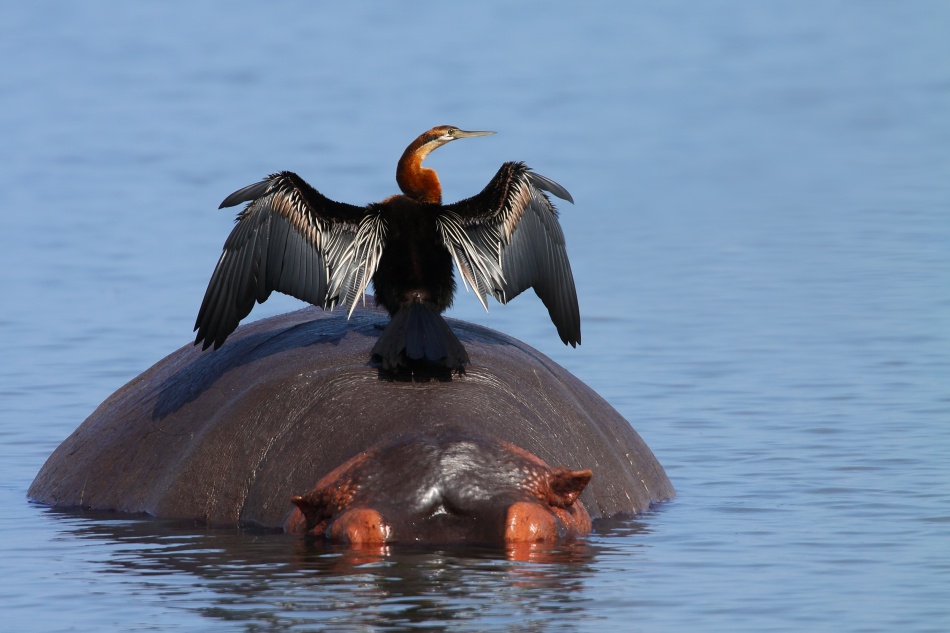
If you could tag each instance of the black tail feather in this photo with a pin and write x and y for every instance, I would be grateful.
(418, 337)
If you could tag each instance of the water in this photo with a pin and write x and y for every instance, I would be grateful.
(761, 243)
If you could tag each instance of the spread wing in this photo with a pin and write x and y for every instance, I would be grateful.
(507, 239)
(292, 239)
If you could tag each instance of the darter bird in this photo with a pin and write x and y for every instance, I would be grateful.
(292, 239)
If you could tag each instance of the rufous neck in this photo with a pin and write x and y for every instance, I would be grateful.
(418, 182)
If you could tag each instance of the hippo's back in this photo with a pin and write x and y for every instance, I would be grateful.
(230, 436)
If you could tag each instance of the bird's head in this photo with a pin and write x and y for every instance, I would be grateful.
(439, 136)
(417, 181)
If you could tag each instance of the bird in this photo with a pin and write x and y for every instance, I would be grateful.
(292, 239)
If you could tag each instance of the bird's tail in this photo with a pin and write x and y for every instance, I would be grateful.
(418, 338)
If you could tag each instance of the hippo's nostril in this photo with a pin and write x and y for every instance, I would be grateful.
(359, 526)
(530, 522)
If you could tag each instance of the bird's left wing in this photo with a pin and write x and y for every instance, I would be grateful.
(292, 239)
(507, 239)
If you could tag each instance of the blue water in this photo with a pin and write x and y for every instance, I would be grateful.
(761, 243)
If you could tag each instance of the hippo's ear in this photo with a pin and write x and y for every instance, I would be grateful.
(314, 508)
(566, 485)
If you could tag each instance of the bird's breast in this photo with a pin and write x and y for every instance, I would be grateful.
(415, 261)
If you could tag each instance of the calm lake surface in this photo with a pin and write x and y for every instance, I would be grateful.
(761, 244)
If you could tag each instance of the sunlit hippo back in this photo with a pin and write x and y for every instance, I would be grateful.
(444, 489)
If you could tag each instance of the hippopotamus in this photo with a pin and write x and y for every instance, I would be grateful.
(289, 427)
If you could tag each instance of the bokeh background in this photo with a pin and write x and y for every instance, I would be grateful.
(761, 244)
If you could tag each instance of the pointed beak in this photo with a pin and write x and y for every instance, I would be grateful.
(464, 134)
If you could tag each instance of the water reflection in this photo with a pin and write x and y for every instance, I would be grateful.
(265, 578)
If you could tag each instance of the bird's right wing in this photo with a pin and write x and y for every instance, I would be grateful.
(507, 239)
(292, 239)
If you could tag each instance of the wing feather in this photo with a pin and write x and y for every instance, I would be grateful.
(507, 239)
(289, 238)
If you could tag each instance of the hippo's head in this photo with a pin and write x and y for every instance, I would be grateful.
(444, 490)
